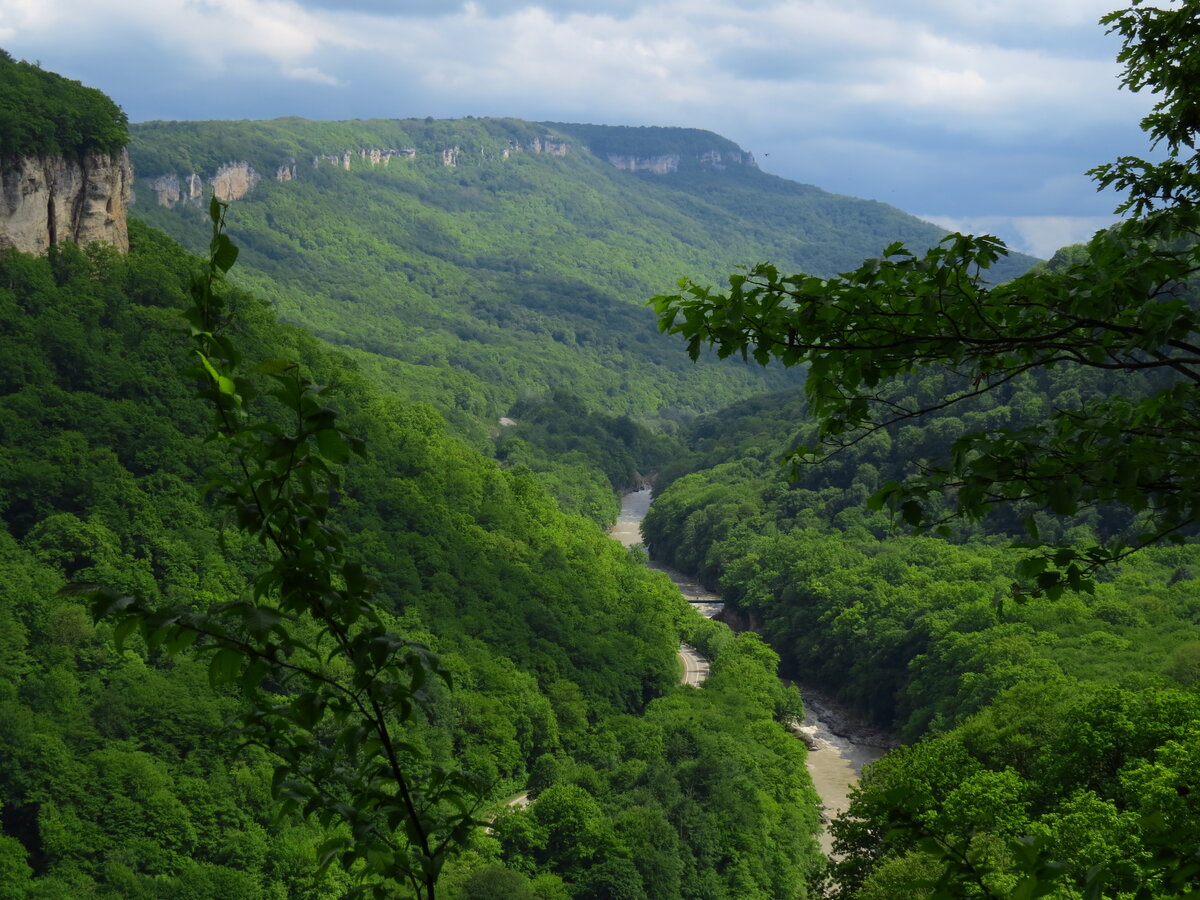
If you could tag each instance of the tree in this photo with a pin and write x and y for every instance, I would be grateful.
(329, 690)
(1124, 305)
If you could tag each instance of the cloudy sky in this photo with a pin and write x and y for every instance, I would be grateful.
(976, 114)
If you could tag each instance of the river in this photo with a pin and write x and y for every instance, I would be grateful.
(836, 757)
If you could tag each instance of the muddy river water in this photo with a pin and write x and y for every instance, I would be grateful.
(838, 746)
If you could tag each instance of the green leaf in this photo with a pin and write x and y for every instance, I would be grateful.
(911, 512)
(332, 446)
(328, 850)
(124, 628)
(307, 709)
(224, 666)
(225, 254)
(208, 366)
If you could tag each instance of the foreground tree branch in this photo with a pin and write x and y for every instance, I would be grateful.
(1126, 305)
(328, 689)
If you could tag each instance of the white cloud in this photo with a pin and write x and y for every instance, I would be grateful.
(19, 15)
(677, 58)
(316, 76)
(929, 82)
(1036, 235)
(207, 33)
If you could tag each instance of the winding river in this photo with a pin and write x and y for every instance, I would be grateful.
(836, 756)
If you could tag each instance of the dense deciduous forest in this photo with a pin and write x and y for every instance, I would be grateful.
(124, 771)
(42, 113)
(1045, 717)
(1050, 741)
(513, 273)
(118, 778)
(1038, 654)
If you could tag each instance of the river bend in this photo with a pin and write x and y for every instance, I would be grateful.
(835, 760)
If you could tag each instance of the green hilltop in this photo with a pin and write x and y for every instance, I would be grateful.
(43, 113)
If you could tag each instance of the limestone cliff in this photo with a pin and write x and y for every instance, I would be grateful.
(667, 163)
(49, 199)
(374, 156)
(235, 180)
(658, 165)
(167, 188)
(549, 145)
(718, 159)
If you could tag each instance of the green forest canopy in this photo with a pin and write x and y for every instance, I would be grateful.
(514, 273)
(1126, 303)
(1055, 740)
(44, 114)
(119, 778)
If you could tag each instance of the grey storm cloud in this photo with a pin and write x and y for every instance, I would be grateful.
(992, 108)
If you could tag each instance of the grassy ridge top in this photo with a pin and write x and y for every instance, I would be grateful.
(185, 147)
(42, 113)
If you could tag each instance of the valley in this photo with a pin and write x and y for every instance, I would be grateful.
(835, 758)
(496, 260)
(331, 569)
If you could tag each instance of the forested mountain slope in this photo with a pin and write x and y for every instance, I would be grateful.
(117, 778)
(476, 262)
(1071, 720)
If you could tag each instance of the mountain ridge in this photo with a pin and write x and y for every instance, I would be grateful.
(510, 273)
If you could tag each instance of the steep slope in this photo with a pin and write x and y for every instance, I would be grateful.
(474, 262)
(797, 226)
(116, 776)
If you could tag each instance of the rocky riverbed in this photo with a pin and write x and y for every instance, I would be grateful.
(839, 744)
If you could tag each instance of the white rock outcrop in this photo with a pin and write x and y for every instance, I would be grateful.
(657, 165)
(549, 145)
(669, 162)
(193, 188)
(167, 189)
(234, 181)
(45, 200)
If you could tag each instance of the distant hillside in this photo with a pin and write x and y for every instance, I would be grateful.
(474, 262)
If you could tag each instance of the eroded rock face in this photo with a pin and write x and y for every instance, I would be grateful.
(658, 165)
(48, 199)
(167, 189)
(549, 145)
(234, 181)
(193, 188)
(668, 163)
(719, 161)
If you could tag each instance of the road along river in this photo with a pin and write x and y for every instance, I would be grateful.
(836, 754)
